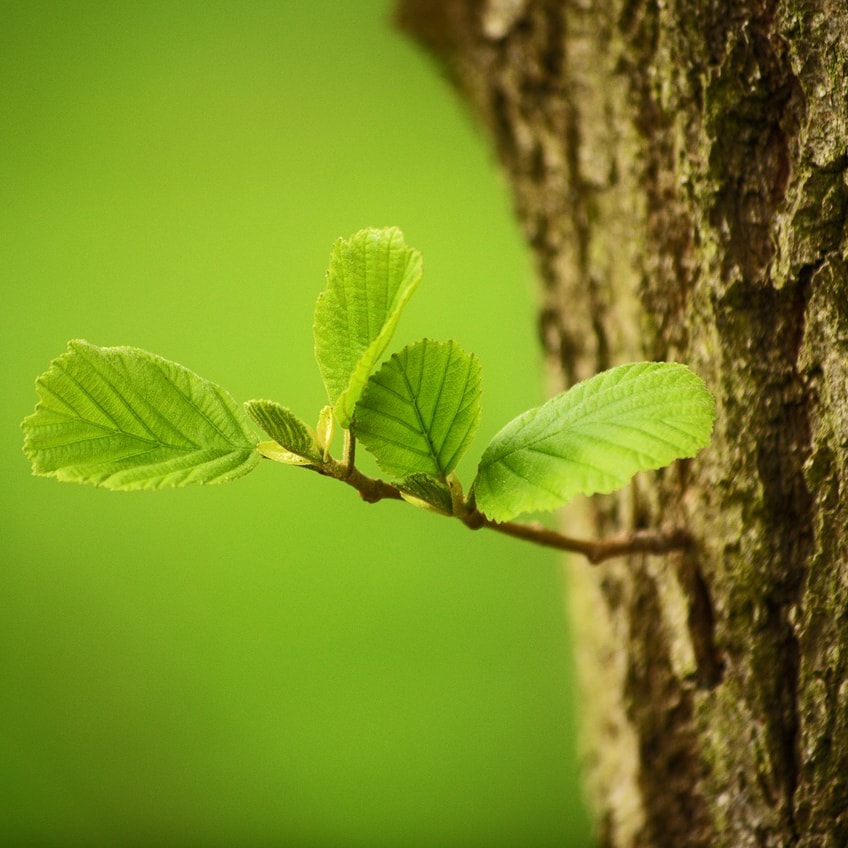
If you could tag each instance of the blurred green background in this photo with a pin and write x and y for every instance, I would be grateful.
(271, 662)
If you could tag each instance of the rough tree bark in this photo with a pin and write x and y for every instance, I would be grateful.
(680, 171)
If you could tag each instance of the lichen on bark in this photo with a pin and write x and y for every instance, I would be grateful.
(680, 172)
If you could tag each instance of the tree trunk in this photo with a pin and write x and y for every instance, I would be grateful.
(680, 172)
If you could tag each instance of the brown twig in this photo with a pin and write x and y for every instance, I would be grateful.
(598, 550)
(372, 490)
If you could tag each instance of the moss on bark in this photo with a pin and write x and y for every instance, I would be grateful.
(680, 172)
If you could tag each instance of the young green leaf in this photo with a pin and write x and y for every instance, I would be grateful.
(286, 429)
(122, 418)
(420, 411)
(371, 277)
(422, 490)
(594, 438)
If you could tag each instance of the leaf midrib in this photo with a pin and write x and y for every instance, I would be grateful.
(412, 400)
(154, 438)
(585, 420)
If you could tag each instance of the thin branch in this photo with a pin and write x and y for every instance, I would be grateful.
(373, 489)
(598, 550)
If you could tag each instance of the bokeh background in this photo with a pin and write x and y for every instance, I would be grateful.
(269, 662)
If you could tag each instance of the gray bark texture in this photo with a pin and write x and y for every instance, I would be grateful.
(680, 173)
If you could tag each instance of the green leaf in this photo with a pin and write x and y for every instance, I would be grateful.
(286, 429)
(422, 490)
(371, 277)
(122, 418)
(420, 411)
(594, 438)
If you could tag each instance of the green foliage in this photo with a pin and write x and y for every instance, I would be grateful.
(122, 418)
(371, 277)
(420, 411)
(594, 438)
(428, 492)
(287, 432)
(126, 419)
